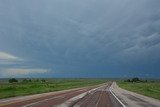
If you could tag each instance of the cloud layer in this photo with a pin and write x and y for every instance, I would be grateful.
(6, 56)
(85, 38)
(12, 72)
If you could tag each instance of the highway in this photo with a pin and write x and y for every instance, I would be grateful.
(83, 97)
(99, 97)
(106, 95)
(44, 101)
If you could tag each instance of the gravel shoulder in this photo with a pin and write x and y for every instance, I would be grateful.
(131, 99)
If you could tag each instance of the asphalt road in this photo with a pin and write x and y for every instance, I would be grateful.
(106, 95)
(83, 97)
(45, 101)
(99, 97)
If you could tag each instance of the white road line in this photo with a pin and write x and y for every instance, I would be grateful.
(116, 97)
(101, 94)
(91, 92)
(68, 102)
(99, 99)
(73, 99)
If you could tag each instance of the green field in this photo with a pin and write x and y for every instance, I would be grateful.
(151, 89)
(35, 87)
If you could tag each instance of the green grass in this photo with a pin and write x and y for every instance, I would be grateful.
(151, 89)
(20, 89)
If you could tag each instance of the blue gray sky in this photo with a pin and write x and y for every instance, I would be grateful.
(80, 38)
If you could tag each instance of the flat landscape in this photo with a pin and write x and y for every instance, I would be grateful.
(78, 93)
(90, 96)
(79, 53)
(35, 86)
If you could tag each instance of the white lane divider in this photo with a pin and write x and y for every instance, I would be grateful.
(116, 96)
(98, 100)
(70, 101)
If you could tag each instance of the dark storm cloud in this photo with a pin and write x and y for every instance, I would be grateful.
(83, 37)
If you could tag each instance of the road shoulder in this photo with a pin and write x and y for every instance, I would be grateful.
(131, 99)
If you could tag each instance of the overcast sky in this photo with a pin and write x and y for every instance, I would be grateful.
(80, 38)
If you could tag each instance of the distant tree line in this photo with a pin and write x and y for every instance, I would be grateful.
(136, 79)
(27, 80)
(14, 80)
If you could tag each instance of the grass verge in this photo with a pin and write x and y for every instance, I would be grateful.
(21, 88)
(151, 89)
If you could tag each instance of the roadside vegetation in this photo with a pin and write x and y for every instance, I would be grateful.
(19, 87)
(146, 87)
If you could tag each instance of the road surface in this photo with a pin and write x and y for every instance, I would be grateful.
(83, 97)
(106, 95)
(131, 99)
(98, 97)
(48, 100)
